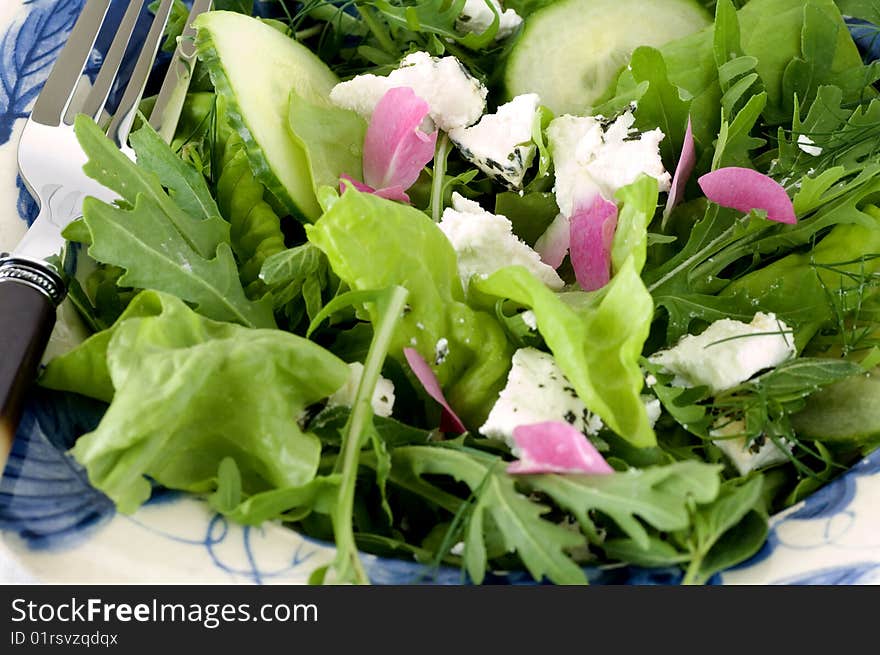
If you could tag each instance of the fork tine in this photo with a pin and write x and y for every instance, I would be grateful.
(54, 99)
(97, 97)
(122, 121)
(172, 94)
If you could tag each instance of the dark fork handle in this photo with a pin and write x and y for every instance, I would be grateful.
(29, 295)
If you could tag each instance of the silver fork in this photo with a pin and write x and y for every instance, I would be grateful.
(50, 162)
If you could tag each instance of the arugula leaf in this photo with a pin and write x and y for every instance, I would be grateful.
(824, 36)
(737, 501)
(659, 495)
(164, 360)
(145, 243)
(597, 345)
(373, 243)
(290, 504)
(158, 244)
(540, 544)
(110, 167)
(661, 104)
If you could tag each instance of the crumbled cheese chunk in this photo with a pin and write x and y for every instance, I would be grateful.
(383, 396)
(536, 391)
(454, 96)
(746, 457)
(501, 143)
(441, 351)
(728, 352)
(652, 406)
(476, 16)
(589, 156)
(530, 319)
(486, 243)
(809, 146)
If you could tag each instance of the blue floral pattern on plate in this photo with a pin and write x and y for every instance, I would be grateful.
(63, 530)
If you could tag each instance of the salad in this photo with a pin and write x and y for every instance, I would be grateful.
(543, 286)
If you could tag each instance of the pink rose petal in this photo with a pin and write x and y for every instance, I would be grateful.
(744, 189)
(390, 193)
(592, 231)
(395, 149)
(555, 447)
(450, 421)
(553, 244)
(686, 163)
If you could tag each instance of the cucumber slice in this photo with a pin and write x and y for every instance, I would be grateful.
(255, 67)
(571, 51)
(848, 411)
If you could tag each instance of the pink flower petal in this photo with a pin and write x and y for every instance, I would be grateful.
(686, 163)
(553, 244)
(592, 231)
(395, 149)
(555, 447)
(450, 421)
(390, 193)
(744, 189)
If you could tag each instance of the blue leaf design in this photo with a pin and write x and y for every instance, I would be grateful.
(45, 496)
(862, 573)
(27, 207)
(27, 52)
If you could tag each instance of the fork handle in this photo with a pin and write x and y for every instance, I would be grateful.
(29, 295)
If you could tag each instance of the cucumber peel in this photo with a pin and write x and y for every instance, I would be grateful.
(570, 52)
(255, 68)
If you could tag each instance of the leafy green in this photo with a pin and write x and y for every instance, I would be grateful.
(373, 243)
(637, 202)
(736, 501)
(185, 398)
(255, 227)
(540, 544)
(154, 240)
(297, 277)
(597, 345)
(660, 105)
(109, 166)
(659, 495)
(359, 427)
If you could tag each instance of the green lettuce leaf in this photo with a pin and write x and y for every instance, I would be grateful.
(190, 392)
(597, 340)
(373, 243)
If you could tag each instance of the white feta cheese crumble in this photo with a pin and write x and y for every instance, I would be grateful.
(383, 396)
(809, 146)
(455, 97)
(501, 144)
(728, 352)
(746, 457)
(587, 155)
(530, 319)
(477, 16)
(441, 351)
(486, 243)
(536, 392)
(652, 406)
